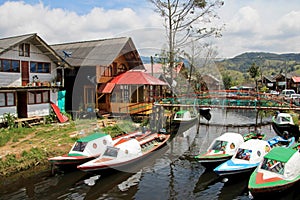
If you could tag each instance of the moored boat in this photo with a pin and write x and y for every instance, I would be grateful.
(277, 172)
(279, 141)
(254, 135)
(185, 117)
(221, 149)
(126, 152)
(90, 147)
(283, 124)
(246, 159)
(84, 149)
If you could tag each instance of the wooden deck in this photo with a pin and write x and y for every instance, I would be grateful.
(31, 121)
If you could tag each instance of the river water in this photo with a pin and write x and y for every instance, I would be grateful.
(170, 173)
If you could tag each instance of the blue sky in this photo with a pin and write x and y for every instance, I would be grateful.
(256, 25)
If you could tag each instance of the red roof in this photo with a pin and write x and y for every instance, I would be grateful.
(296, 79)
(107, 88)
(136, 78)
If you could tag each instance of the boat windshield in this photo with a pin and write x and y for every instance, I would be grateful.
(273, 166)
(111, 152)
(79, 146)
(219, 145)
(243, 154)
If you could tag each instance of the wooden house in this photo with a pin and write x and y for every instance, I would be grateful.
(92, 83)
(28, 66)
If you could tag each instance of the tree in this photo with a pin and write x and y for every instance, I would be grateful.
(254, 73)
(185, 20)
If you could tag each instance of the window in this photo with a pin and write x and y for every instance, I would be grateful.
(219, 145)
(7, 99)
(9, 65)
(273, 166)
(24, 50)
(111, 151)
(38, 97)
(121, 68)
(244, 154)
(79, 146)
(39, 67)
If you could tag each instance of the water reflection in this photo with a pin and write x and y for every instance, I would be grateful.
(170, 173)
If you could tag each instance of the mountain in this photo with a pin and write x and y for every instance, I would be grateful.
(270, 63)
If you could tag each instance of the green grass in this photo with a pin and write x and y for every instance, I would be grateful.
(35, 145)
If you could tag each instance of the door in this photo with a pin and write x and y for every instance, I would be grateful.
(22, 104)
(25, 73)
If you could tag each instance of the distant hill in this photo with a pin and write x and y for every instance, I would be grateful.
(270, 63)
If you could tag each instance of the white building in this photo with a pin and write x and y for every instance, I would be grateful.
(28, 69)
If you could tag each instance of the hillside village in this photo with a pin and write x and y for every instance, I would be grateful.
(108, 76)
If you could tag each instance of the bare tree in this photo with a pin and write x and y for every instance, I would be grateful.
(186, 19)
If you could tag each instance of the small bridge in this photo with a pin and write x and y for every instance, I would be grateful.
(225, 99)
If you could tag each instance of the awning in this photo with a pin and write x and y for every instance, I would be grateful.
(296, 79)
(106, 88)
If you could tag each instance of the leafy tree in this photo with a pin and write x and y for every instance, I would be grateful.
(186, 20)
(227, 81)
(254, 73)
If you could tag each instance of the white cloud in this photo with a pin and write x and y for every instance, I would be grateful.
(246, 21)
(250, 25)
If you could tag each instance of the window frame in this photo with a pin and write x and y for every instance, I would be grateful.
(9, 65)
(24, 50)
(40, 67)
(38, 97)
(7, 103)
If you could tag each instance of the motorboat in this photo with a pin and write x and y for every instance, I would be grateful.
(278, 171)
(84, 149)
(246, 159)
(126, 152)
(221, 149)
(283, 124)
(185, 117)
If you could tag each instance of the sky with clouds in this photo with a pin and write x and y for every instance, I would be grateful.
(250, 25)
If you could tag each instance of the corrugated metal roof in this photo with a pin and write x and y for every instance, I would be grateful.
(97, 52)
(137, 78)
(296, 79)
(106, 88)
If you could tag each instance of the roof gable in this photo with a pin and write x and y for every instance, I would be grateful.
(7, 44)
(99, 52)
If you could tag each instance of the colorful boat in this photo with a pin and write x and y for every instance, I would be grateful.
(221, 149)
(284, 126)
(246, 159)
(279, 141)
(126, 152)
(90, 147)
(278, 172)
(254, 135)
(185, 117)
(84, 149)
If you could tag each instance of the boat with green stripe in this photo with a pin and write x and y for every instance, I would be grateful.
(278, 171)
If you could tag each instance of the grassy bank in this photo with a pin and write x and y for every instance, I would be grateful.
(22, 149)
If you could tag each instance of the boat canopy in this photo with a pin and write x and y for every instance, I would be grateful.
(128, 147)
(228, 142)
(283, 161)
(280, 155)
(91, 137)
(284, 118)
(91, 145)
(252, 150)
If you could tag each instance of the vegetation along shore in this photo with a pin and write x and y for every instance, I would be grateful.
(26, 149)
